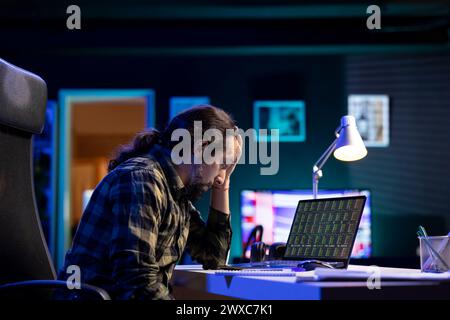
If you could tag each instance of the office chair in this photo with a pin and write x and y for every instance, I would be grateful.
(26, 269)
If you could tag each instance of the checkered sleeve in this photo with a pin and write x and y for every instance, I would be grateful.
(137, 203)
(209, 243)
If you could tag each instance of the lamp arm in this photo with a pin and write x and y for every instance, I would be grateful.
(317, 168)
(324, 157)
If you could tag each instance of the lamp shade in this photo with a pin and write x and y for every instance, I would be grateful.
(349, 145)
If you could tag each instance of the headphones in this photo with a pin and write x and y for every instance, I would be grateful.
(258, 251)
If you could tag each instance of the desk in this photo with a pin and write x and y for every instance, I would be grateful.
(191, 282)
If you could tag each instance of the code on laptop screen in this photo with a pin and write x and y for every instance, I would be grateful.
(325, 228)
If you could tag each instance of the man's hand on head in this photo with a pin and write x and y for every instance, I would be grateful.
(233, 152)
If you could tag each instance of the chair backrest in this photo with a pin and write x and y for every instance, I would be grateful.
(23, 251)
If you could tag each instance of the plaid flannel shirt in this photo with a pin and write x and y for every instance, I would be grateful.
(136, 227)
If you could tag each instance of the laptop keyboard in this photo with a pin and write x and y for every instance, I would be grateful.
(280, 264)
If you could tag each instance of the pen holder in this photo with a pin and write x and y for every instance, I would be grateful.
(434, 254)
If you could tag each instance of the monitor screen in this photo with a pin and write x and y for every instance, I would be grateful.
(275, 210)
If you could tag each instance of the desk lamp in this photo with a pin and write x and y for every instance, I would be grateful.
(348, 146)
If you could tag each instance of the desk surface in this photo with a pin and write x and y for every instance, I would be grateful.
(192, 282)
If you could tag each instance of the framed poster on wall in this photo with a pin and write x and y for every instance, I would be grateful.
(372, 118)
(178, 104)
(286, 116)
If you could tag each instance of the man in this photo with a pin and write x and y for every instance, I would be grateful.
(140, 217)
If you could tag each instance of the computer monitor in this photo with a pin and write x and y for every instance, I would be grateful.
(275, 210)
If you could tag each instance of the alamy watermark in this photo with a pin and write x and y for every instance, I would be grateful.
(74, 279)
(73, 22)
(374, 20)
(212, 146)
(374, 279)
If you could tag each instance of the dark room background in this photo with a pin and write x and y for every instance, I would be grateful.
(235, 61)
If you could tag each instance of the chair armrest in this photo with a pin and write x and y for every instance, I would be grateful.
(55, 284)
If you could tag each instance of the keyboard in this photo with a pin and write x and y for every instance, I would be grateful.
(279, 264)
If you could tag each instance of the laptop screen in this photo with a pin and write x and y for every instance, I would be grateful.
(325, 229)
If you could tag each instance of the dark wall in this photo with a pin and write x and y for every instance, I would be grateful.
(410, 178)
(243, 51)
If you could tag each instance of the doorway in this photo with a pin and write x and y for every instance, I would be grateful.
(93, 124)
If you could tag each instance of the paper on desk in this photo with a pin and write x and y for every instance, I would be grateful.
(363, 273)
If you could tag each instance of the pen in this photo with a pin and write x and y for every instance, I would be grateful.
(441, 247)
(433, 253)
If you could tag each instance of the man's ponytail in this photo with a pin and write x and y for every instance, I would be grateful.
(210, 117)
(140, 145)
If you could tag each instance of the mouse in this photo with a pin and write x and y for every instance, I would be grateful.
(309, 265)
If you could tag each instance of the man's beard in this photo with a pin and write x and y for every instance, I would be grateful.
(194, 191)
(196, 188)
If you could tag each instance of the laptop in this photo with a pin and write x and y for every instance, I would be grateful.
(323, 232)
